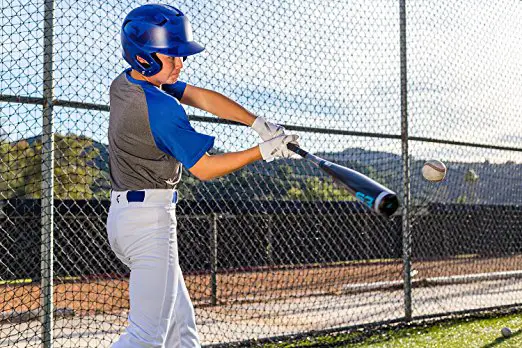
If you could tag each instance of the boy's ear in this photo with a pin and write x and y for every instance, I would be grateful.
(143, 62)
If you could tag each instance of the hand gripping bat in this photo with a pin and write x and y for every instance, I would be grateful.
(374, 195)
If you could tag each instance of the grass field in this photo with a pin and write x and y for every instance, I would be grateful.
(456, 333)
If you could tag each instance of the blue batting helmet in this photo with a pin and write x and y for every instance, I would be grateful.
(151, 29)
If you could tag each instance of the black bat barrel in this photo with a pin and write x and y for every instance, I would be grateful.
(368, 191)
(374, 195)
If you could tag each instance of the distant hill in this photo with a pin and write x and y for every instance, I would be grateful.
(496, 184)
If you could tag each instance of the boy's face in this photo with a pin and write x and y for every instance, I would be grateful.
(169, 73)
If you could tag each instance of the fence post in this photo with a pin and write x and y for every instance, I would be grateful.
(406, 233)
(47, 202)
(270, 241)
(213, 260)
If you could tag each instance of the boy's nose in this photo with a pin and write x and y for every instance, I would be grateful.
(178, 63)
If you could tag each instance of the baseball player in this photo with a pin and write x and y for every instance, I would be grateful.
(150, 139)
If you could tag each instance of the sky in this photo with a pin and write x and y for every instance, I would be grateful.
(329, 64)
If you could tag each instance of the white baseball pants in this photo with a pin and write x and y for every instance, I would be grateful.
(143, 236)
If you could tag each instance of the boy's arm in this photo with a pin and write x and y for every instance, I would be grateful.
(216, 104)
(226, 108)
(213, 166)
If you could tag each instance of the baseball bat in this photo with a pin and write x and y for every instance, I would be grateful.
(380, 199)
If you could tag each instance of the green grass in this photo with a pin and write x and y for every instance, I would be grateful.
(456, 333)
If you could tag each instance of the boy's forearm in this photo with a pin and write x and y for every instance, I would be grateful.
(228, 109)
(223, 164)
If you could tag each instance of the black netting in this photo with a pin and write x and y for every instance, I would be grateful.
(275, 248)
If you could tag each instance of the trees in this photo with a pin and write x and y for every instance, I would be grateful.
(74, 168)
(470, 178)
(321, 189)
(19, 168)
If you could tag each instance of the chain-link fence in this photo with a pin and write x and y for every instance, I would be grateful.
(275, 249)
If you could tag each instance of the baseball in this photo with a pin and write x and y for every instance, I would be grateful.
(506, 332)
(434, 170)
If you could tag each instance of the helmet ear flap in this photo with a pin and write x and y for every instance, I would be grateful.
(157, 61)
(143, 64)
(151, 65)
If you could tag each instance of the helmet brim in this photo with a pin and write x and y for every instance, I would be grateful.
(186, 49)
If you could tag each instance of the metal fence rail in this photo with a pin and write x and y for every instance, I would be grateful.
(266, 251)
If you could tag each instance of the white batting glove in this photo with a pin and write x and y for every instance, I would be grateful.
(276, 147)
(267, 130)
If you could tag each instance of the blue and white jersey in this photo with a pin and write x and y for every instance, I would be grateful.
(150, 136)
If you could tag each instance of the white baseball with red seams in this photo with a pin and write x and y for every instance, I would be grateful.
(434, 171)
